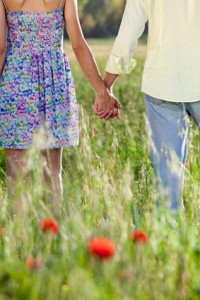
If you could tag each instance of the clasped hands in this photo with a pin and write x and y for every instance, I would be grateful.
(106, 105)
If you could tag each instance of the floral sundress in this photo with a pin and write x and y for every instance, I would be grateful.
(38, 103)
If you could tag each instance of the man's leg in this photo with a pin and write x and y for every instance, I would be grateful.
(167, 130)
(194, 110)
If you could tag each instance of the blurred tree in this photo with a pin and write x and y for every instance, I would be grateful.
(100, 18)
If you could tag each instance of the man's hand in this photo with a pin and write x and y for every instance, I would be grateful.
(107, 106)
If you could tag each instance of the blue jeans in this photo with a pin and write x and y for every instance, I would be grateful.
(167, 131)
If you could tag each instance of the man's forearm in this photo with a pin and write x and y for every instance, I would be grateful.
(109, 79)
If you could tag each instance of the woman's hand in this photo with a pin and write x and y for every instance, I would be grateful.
(107, 106)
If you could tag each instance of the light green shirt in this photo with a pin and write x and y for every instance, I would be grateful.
(172, 66)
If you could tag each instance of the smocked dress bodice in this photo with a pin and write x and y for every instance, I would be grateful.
(35, 32)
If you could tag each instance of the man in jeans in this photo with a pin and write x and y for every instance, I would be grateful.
(171, 80)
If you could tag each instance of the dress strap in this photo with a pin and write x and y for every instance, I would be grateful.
(4, 3)
(60, 4)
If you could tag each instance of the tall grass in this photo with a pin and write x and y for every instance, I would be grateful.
(108, 191)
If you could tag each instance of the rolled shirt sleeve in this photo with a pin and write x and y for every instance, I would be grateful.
(132, 26)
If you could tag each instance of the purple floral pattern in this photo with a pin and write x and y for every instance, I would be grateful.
(37, 91)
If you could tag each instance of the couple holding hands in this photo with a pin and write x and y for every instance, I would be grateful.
(37, 90)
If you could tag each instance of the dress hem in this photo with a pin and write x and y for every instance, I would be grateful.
(26, 147)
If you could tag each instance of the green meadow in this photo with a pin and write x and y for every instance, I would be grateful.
(108, 192)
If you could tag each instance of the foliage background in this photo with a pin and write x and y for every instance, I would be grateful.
(108, 191)
(100, 18)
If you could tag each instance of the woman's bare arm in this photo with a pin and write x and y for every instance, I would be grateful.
(2, 36)
(105, 102)
(81, 48)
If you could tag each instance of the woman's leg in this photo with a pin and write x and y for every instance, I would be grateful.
(52, 175)
(167, 128)
(16, 167)
(17, 172)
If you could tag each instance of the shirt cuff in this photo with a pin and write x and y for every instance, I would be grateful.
(117, 65)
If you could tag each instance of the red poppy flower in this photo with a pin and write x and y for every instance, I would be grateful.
(94, 132)
(33, 263)
(1, 231)
(49, 226)
(138, 236)
(101, 247)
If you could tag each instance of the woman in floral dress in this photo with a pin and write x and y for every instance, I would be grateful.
(37, 92)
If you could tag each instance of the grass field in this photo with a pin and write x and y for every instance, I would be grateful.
(108, 191)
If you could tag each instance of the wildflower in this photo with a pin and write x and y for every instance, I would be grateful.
(138, 236)
(125, 275)
(101, 247)
(1, 231)
(49, 225)
(33, 263)
(187, 166)
(94, 132)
